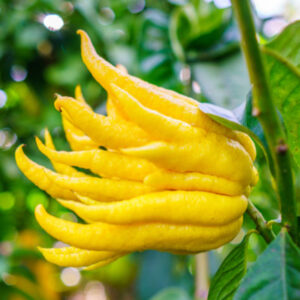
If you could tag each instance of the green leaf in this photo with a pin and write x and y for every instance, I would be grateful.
(171, 294)
(275, 274)
(224, 81)
(229, 275)
(283, 65)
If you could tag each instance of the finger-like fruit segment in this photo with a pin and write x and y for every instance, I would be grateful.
(85, 200)
(76, 138)
(100, 189)
(78, 95)
(167, 180)
(159, 125)
(103, 163)
(36, 174)
(103, 130)
(59, 167)
(106, 74)
(108, 237)
(172, 207)
(101, 263)
(167, 102)
(75, 257)
(247, 143)
(113, 111)
(210, 156)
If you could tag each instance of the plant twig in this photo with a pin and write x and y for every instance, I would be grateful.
(264, 109)
(260, 222)
(202, 276)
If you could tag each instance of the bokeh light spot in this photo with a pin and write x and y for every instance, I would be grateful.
(137, 6)
(107, 15)
(3, 98)
(7, 139)
(274, 26)
(18, 73)
(70, 276)
(196, 87)
(53, 22)
(44, 48)
(36, 197)
(185, 74)
(222, 3)
(7, 201)
(94, 290)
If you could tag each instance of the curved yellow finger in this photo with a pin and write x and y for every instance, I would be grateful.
(247, 143)
(75, 257)
(112, 110)
(164, 101)
(101, 263)
(59, 167)
(158, 125)
(100, 189)
(78, 95)
(172, 207)
(103, 163)
(85, 200)
(106, 74)
(167, 180)
(76, 138)
(209, 156)
(127, 238)
(36, 174)
(105, 131)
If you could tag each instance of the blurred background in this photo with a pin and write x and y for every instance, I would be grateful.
(188, 46)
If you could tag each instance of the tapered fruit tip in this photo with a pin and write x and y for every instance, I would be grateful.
(81, 32)
(57, 95)
(19, 150)
(57, 105)
(77, 88)
(39, 211)
(38, 142)
(47, 133)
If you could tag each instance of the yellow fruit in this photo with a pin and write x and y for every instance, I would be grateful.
(168, 178)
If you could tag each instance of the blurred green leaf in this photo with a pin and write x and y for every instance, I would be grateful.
(4, 267)
(160, 267)
(224, 81)
(67, 72)
(197, 25)
(29, 36)
(275, 274)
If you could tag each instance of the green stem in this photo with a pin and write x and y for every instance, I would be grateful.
(264, 109)
(260, 222)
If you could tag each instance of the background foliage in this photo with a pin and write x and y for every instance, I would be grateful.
(189, 46)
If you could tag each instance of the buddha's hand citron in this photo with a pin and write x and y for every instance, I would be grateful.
(169, 179)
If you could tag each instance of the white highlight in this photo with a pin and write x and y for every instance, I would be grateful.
(53, 22)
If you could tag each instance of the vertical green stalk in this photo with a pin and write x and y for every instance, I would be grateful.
(264, 109)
